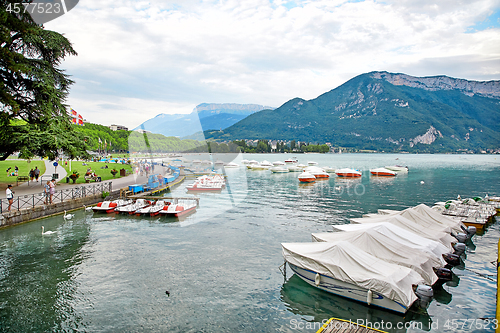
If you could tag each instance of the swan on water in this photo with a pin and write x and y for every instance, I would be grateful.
(47, 232)
(87, 209)
(68, 216)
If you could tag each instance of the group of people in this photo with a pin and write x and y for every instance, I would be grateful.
(49, 190)
(34, 173)
(13, 173)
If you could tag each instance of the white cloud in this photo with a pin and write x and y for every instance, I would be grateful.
(168, 56)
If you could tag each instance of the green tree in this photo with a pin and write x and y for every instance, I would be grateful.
(33, 117)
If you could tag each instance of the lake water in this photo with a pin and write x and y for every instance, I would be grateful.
(102, 273)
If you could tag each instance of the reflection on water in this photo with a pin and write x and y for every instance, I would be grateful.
(38, 277)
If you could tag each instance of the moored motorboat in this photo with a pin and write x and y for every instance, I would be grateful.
(347, 271)
(279, 169)
(317, 172)
(311, 163)
(231, 165)
(383, 172)
(110, 206)
(329, 169)
(400, 251)
(279, 163)
(131, 208)
(306, 177)
(264, 165)
(346, 172)
(295, 168)
(397, 168)
(291, 160)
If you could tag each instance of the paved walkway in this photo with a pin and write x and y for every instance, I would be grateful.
(37, 187)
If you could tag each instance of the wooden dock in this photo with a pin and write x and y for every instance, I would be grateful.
(144, 195)
(335, 325)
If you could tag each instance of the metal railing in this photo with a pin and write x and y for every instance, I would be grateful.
(39, 199)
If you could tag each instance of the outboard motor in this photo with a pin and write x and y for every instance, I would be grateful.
(461, 237)
(444, 274)
(424, 294)
(471, 231)
(459, 248)
(451, 259)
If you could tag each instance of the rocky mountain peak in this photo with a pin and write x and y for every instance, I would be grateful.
(490, 89)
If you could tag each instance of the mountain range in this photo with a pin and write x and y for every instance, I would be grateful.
(385, 111)
(205, 116)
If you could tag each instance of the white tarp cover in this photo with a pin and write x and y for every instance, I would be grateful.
(428, 212)
(423, 215)
(402, 235)
(431, 232)
(375, 242)
(346, 262)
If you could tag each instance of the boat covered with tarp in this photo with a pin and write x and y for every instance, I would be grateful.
(345, 270)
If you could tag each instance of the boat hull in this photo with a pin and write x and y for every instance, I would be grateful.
(180, 213)
(347, 290)
(348, 174)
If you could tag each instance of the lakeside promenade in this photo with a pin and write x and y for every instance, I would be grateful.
(30, 201)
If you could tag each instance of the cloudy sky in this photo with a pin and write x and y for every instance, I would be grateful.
(137, 59)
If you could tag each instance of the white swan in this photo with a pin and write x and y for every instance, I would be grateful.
(68, 216)
(47, 232)
(87, 209)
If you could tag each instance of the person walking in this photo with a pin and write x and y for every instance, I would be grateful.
(37, 174)
(10, 195)
(32, 174)
(46, 190)
(52, 189)
(16, 171)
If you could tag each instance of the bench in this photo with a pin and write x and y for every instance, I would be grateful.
(22, 179)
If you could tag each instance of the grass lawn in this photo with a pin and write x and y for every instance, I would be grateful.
(105, 174)
(24, 169)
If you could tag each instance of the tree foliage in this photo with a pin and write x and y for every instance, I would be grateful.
(33, 89)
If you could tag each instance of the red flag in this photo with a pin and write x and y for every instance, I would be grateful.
(74, 113)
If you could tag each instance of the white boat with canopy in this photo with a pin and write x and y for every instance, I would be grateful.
(345, 270)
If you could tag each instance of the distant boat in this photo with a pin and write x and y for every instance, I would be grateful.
(279, 169)
(231, 165)
(278, 163)
(346, 172)
(317, 172)
(295, 168)
(312, 163)
(264, 165)
(383, 172)
(306, 177)
(397, 168)
(291, 160)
